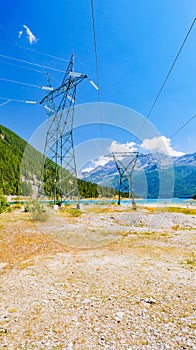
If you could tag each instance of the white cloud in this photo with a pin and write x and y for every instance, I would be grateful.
(114, 147)
(158, 144)
(101, 161)
(31, 37)
(123, 147)
(161, 144)
(87, 170)
(20, 34)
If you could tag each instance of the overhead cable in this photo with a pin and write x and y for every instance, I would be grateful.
(95, 44)
(31, 63)
(20, 82)
(96, 62)
(170, 70)
(27, 84)
(24, 67)
(182, 126)
(36, 51)
(4, 103)
(42, 67)
(21, 101)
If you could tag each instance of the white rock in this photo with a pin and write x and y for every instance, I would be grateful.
(119, 315)
(86, 301)
(150, 300)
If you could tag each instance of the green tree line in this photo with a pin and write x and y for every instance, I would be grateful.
(12, 148)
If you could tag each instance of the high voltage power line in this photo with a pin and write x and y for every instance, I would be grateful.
(20, 82)
(14, 100)
(32, 59)
(23, 67)
(168, 75)
(95, 45)
(31, 63)
(35, 51)
(96, 61)
(4, 103)
(182, 126)
(170, 70)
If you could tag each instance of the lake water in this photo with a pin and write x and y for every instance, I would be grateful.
(168, 201)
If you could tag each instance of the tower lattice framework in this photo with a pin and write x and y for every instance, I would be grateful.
(125, 163)
(59, 175)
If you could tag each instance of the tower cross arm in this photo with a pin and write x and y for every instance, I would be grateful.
(70, 83)
(123, 154)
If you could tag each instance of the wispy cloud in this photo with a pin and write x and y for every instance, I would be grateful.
(20, 34)
(31, 37)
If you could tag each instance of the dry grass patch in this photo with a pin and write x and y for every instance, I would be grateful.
(21, 240)
(21, 247)
(190, 260)
(99, 209)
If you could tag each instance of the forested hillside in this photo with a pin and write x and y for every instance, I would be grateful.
(12, 148)
(11, 151)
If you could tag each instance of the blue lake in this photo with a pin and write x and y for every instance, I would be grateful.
(169, 201)
(180, 201)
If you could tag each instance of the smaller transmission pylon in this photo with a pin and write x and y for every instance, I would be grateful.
(125, 163)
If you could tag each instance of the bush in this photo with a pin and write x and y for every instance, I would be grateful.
(194, 196)
(37, 210)
(4, 205)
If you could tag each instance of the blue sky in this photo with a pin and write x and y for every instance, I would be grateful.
(137, 42)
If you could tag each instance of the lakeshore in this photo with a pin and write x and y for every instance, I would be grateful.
(124, 201)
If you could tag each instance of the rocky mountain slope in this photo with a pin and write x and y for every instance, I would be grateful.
(148, 169)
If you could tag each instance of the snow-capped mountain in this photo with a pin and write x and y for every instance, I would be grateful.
(149, 166)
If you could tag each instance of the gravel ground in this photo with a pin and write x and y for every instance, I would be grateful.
(133, 290)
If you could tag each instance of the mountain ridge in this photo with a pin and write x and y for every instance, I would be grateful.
(151, 164)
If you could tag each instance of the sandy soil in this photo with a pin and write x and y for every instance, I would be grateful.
(111, 278)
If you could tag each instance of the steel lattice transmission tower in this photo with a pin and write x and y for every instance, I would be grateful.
(125, 163)
(59, 170)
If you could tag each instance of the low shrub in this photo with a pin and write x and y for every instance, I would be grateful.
(73, 212)
(37, 210)
(4, 205)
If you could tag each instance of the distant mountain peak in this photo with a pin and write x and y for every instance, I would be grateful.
(150, 164)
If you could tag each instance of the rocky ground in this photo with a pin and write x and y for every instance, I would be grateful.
(111, 278)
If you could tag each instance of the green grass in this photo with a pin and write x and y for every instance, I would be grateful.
(74, 213)
(188, 211)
